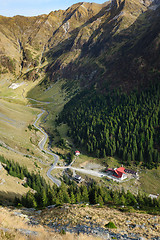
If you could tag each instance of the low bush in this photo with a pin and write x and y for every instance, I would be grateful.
(110, 225)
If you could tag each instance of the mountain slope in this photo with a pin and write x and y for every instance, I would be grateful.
(112, 53)
(110, 44)
(25, 39)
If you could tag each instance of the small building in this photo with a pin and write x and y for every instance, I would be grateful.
(131, 172)
(77, 153)
(77, 178)
(120, 173)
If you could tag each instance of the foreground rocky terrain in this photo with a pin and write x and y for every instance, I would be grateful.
(93, 220)
(20, 224)
(77, 222)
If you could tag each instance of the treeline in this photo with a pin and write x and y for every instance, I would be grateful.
(92, 194)
(33, 180)
(67, 157)
(45, 195)
(118, 124)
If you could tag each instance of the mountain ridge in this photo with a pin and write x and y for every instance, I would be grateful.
(83, 41)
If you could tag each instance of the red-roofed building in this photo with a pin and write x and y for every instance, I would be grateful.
(77, 153)
(120, 173)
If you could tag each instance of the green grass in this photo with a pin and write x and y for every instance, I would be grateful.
(112, 162)
(149, 180)
(110, 225)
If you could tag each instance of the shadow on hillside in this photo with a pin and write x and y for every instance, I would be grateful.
(7, 198)
(126, 59)
(131, 57)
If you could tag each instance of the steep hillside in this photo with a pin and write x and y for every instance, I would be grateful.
(21, 224)
(76, 222)
(24, 40)
(115, 43)
(121, 51)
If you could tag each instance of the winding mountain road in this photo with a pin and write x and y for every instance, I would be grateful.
(56, 157)
(41, 143)
(41, 146)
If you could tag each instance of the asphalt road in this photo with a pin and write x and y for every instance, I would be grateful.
(41, 146)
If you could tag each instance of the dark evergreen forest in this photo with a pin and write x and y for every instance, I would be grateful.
(117, 124)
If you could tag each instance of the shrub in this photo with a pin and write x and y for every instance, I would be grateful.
(110, 225)
(62, 231)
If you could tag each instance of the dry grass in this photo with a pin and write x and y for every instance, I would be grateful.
(76, 214)
(23, 161)
(10, 186)
(15, 132)
(57, 173)
(13, 223)
(15, 119)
